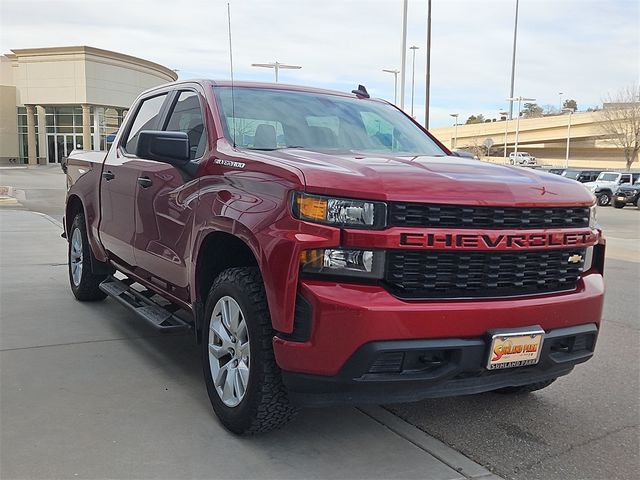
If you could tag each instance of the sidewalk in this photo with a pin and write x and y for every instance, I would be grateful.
(88, 391)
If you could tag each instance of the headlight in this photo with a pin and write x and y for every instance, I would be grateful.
(341, 212)
(593, 221)
(336, 261)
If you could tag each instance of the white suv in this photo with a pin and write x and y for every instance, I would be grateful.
(521, 158)
(607, 183)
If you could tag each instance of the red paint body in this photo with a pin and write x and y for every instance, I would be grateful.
(155, 234)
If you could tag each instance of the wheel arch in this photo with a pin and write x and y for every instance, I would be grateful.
(217, 251)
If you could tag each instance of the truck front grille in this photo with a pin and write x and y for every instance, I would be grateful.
(449, 274)
(460, 216)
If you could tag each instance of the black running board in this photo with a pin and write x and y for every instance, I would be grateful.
(141, 304)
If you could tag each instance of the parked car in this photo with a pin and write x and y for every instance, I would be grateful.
(325, 249)
(582, 176)
(555, 171)
(522, 158)
(628, 194)
(608, 183)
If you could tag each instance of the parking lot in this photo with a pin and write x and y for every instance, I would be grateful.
(89, 391)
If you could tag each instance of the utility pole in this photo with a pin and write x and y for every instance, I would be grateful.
(506, 130)
(513, 62)
(428, 74)
(413, 76)
(403, 63)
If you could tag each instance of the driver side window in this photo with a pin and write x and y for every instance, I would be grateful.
(186, 117)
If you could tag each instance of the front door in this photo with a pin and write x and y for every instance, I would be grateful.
(165, 205)
(120, 184)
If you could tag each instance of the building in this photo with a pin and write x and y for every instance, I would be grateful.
(544, 137)
(53, 100)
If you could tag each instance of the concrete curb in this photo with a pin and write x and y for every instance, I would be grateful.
(436, 448)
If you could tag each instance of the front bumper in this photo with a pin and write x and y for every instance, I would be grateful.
(342, 317)
(412, 370)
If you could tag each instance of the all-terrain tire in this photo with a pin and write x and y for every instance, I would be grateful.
(85, 285)
(618, 204)
(532, 387)
(265, 405)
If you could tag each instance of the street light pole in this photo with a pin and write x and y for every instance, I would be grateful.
(395, 83)
(403, 62)
(455, 135)
(566, 158)
(413, 76)
(276, 67)
(560, 95)
(506, 126)
(428, 69)
(513, 62)
(519, 99)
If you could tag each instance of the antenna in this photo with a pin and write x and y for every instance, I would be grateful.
(233, 100)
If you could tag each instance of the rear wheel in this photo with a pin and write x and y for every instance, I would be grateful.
(532, 387)
(84, 284)
(618, 204)
(243, 381)
(604, 199)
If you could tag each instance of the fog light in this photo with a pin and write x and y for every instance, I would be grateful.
(335, 261)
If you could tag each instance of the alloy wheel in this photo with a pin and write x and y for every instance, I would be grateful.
(229, 351)
(75, 257)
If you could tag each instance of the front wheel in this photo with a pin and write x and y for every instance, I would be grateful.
(241, 375)
(618, 204)
(604, 199)
(84, 284)
(532, 387)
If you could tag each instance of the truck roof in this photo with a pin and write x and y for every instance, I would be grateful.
(265, 85)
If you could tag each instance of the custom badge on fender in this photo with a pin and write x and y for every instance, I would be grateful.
(228, 163)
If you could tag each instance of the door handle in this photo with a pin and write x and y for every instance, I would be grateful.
(108, 175)
(145, 182)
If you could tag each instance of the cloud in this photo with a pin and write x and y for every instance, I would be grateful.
(579, 47)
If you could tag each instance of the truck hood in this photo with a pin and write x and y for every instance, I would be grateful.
(431, 179)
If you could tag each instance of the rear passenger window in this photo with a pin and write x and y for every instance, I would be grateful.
(146, 119)
(187, 117)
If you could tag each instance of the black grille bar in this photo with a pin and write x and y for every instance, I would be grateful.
(476, 274)
(460, 216)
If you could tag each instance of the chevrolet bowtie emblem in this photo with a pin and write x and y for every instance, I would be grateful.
(575, 258)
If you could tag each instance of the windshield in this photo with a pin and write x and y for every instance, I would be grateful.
(275, 119)
(571, 174)
(608, 177)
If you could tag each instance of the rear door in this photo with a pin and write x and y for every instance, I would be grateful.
(119, 183)
(166, 200)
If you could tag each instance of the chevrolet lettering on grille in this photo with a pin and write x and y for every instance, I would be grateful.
(491, 241)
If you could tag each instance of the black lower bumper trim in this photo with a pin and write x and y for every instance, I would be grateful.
(412, 370)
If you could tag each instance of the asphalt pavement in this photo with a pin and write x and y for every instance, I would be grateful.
(88, 391)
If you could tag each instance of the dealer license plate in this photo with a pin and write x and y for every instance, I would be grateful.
(515, 348)
(621, 199)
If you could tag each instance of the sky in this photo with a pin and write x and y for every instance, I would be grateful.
(586, 49)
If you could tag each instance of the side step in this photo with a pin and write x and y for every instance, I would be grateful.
(140, 303)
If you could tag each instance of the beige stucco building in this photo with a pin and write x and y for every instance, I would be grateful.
(53, 100)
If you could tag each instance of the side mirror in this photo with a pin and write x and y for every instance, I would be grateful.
(167, 147)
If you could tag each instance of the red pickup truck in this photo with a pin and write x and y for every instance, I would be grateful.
(325, 249)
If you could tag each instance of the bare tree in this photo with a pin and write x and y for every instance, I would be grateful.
(620, 122)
